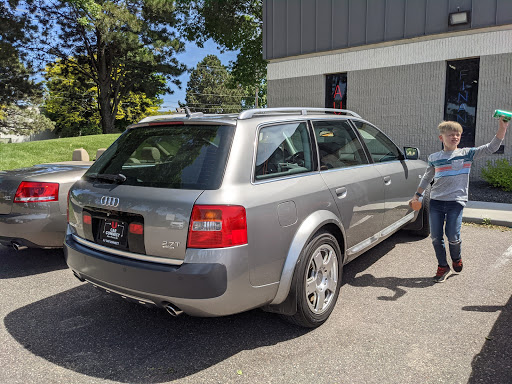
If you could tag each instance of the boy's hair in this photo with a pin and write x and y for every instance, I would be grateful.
(449, 126)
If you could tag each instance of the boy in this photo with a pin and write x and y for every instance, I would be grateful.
(450, 170)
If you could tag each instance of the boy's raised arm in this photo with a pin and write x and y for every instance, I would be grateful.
(502, 129)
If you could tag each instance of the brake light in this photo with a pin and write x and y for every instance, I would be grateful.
(217, 226)
(35, 192)
(136, 228)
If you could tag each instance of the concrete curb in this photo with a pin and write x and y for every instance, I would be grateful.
(497, 213)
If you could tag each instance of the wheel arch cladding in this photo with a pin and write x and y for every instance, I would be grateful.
(310, 226)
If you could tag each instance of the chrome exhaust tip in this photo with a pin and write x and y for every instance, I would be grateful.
(173, 310)
(18, 247)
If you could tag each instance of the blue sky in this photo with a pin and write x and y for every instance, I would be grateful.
(190, 58)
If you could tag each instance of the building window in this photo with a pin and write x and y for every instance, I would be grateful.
(336, 91)
(461, 97)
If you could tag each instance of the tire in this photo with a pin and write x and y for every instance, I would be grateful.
(317, 281)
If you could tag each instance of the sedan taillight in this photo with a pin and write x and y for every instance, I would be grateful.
(36, 192)
(217, 226)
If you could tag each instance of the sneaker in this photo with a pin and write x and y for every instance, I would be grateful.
(457, 265)
(442, 274)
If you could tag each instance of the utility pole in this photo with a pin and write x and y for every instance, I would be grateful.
(256, 99)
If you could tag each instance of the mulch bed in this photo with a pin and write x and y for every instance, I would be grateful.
(480, 190)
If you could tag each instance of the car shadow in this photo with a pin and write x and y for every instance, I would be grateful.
(29, 262)
(103, 336)
(493, 363)
(352, 271)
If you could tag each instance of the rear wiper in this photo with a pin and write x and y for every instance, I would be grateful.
(119, 178)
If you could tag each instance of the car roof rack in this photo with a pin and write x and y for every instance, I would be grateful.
(250, 113)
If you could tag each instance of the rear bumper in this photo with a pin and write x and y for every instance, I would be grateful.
(37, 230)
(217, 285)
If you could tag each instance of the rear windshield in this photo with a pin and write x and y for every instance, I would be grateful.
(174, 156)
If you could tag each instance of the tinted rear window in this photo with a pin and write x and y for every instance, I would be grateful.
(174, 156)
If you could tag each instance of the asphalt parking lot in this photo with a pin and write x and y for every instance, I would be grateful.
(391, 325)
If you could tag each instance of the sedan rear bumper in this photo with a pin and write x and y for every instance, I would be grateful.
(37, 230)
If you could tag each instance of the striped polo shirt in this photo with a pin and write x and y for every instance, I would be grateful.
(450, 171)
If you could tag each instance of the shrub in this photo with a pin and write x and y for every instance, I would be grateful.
(499, 174)
(91, 129)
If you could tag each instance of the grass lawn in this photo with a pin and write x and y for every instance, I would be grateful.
(19, 155)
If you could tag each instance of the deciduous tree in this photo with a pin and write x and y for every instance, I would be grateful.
(71, 100)
(234, 25)
(23, 120)
(121, 46)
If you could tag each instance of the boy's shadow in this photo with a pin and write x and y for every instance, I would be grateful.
(362, 263)
(392, 283)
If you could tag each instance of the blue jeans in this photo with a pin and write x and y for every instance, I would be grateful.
(451, 212)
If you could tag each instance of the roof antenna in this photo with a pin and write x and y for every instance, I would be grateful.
(187, 111)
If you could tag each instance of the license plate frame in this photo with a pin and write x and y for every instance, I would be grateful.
(113, 233)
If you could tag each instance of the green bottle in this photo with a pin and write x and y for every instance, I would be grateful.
(505, 114)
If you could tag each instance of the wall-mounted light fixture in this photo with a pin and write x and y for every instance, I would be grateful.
(458, 18)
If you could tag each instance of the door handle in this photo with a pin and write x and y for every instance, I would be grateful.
(387, 180)
(341, 192)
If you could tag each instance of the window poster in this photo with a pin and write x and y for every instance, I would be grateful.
(461, 97)
(336, 91)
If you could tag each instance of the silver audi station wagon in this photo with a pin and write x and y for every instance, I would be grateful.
(213, 215)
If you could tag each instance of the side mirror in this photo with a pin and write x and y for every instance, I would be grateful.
(412, 153)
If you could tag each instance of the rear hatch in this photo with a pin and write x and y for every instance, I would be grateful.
(145, 221)
(138, 197)
(10, 180)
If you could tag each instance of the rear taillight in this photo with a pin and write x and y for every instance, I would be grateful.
(34, 192)
(217, 226)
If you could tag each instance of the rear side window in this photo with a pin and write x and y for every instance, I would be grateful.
(282, 150)
(174, 156)
(338, 145)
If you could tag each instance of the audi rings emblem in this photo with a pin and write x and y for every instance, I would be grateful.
(109, 201)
